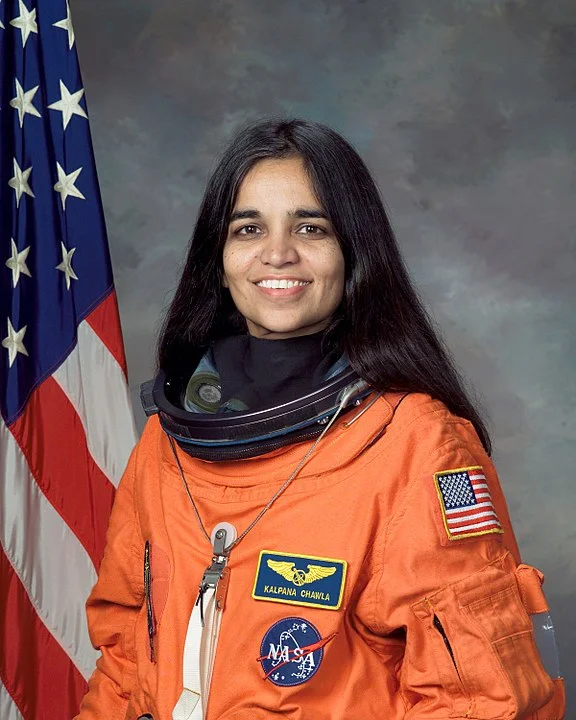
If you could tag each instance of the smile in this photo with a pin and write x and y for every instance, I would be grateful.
(282, 284)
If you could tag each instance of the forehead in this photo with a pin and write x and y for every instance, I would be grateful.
(276, 181)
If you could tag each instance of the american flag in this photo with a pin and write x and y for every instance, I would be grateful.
(66, 428)
(466, 503)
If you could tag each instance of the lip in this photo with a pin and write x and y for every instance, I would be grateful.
(282, 292)
(281, 277)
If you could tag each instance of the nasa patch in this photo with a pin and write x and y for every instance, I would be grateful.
(292, 651)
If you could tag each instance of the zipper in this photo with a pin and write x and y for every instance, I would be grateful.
(440, 628)
(149, 607)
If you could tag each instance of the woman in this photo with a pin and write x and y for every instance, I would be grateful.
(311, 527)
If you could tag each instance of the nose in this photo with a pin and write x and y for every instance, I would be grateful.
(279, 249)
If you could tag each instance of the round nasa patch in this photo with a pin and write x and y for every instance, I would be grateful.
(289, 652)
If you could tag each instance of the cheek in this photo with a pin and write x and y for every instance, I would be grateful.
(337, 278)
(335, 267)
(229, 267)
(236, 262)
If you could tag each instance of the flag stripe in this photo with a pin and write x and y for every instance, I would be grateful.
(105, 322)
(96, 386)
(32, 677)
(475, 526)
(466, 509)
(46, 555)
(475, 516)
(66, 473)
(8, 708)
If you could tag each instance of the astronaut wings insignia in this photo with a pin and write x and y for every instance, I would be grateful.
(289, 571)
(279, 578)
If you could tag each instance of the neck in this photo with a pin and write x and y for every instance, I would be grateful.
(263, 372)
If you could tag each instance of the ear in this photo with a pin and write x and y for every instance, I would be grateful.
(225, 281)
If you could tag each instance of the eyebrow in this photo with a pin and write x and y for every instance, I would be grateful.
(252, 214)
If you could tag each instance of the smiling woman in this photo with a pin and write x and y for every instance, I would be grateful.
(282, 261)
(346, 551)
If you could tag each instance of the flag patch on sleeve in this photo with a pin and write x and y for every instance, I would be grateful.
(465, 502)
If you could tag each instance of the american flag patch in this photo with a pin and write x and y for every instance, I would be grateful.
(466, 503)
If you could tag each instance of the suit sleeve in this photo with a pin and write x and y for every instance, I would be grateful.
(452, 580)
(113, 607)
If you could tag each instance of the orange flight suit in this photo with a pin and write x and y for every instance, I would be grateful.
(432, 623)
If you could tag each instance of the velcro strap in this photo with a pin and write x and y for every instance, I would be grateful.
(530, 585)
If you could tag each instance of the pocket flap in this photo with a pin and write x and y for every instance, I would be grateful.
(530, 585)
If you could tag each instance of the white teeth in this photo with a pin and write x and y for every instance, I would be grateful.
(281, 284)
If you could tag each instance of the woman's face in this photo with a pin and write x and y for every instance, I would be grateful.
(282, 263)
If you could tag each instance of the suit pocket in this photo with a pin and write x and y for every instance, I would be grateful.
(488, 637)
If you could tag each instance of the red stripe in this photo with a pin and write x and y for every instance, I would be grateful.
(105, 321)
(306, 650)
(482, 505)
(40, 677)
(477, 521)
(472, 526)
(480, 530)
(473, 510)
(468, 520)
(53, 442)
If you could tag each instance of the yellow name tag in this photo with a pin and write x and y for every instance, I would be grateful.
(300, 580)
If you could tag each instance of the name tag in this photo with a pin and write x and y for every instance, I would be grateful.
(300, 580)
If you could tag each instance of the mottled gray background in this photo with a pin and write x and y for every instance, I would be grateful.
(466, 113)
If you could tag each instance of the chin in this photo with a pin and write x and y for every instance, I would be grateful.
(284, 329)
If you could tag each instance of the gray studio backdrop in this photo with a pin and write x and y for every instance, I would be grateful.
(465, 112)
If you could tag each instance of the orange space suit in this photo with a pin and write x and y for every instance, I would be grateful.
(384, 583)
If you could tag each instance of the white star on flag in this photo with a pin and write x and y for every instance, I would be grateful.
(69, 104)
(13, 342)
(20, 182)
(66, 24)
(17, 263)
(23, 102)
(65, 185)
(25, 22)
(66, 265)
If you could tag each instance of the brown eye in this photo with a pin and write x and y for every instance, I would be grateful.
(247, 230)
(312, 230)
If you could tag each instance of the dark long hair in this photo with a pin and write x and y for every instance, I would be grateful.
(381, 323)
